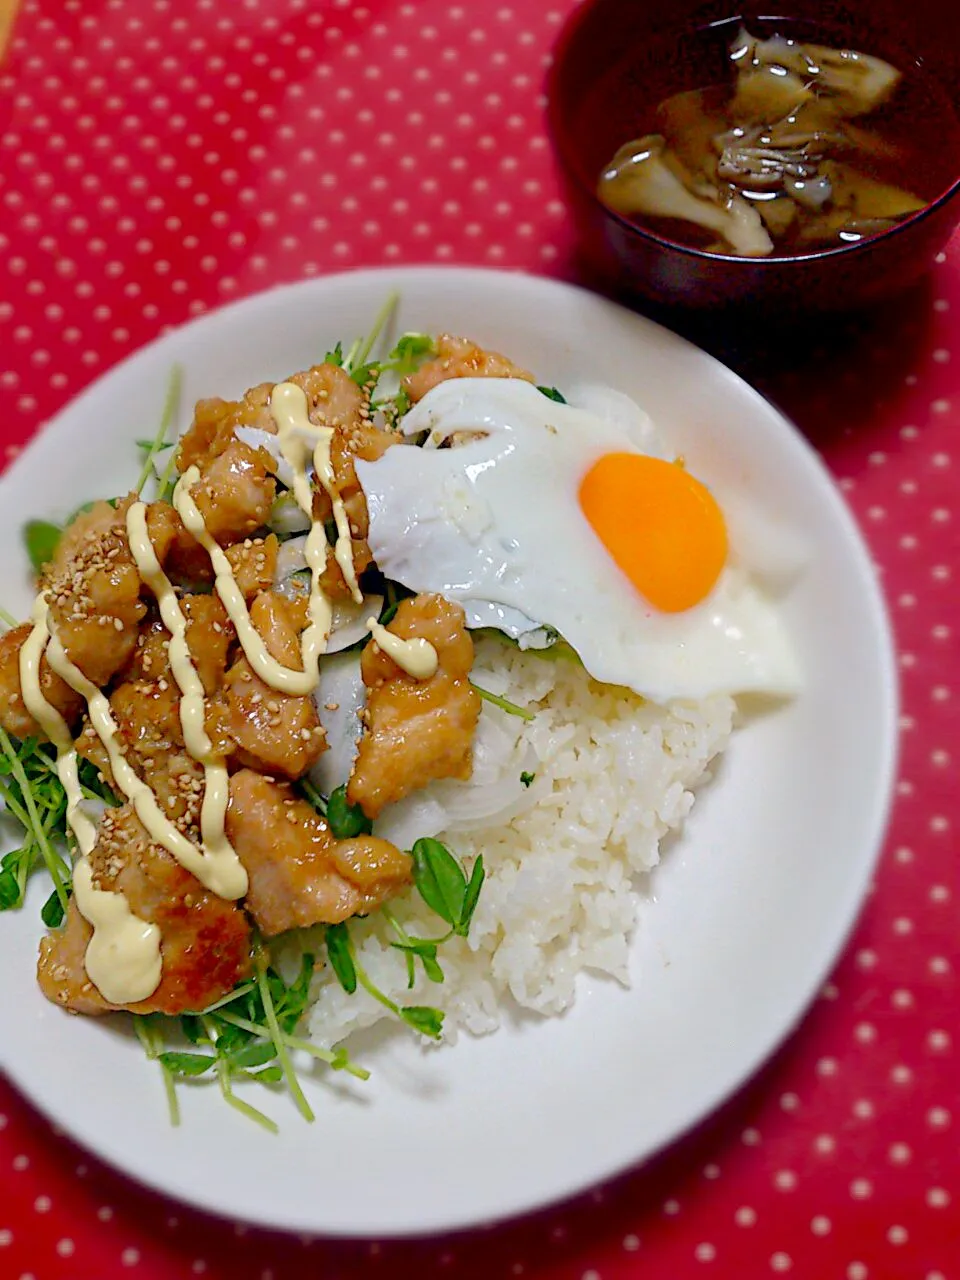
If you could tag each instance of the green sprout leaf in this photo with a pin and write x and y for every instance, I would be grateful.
(253, 1055)
(439, 879)
(52, 912)
(527, 778)
(425, 949)
(504, 704)
(442, 884)
(411, 351)
(470, 898)
(552, 394)
(11, 894)
(41, 539)
(269, 1075)
(346, 820)
(187, 1064)
(429, 1022)
(340, 955)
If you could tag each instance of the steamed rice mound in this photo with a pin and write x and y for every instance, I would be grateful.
(613, 775)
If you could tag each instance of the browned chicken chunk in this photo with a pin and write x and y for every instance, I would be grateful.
(93, 589)
(254, 562)
(336, 401)
(333, 400)
(215, 421)
(165, 529)
(459, 358)
(205, 940)
(416, 730)
(299, 874)
(276, 732)
(210, 634)
(184, 561)
(150, 738)
(235, 493)
(14, 716)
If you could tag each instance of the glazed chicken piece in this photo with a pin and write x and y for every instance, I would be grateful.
(416, 730)
(92, 564)
(459, 358)
(235, 492)
(14, 716)
(165, 528)
(299, 874)
(337, 402)
(210, 634)
(327, 387)
(205, 940)
(149, 736)
(146, 708)
(275, 732)
(214, 423)
(334, 400)
(93, 589)
(254, 562)
(361, 439)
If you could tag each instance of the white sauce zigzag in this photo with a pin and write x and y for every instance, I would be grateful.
(123, 958)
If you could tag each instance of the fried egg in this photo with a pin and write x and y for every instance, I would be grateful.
(542, 514)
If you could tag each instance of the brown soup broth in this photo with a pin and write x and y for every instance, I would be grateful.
(918, 121)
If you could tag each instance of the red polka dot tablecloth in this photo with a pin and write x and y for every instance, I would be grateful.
(158, 159)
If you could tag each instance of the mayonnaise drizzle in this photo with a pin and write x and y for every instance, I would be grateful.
(288, 404)
(222, 875)
(417, 657)
(53, 724)
(313, 641)
(295, 432)
(122, 958)
(224, 872)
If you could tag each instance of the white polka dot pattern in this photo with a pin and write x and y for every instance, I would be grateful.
(158, 159)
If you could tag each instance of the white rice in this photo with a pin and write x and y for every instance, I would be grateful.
(616, 774)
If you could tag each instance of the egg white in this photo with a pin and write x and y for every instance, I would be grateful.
(495, 521)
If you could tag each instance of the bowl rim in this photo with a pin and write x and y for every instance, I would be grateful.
(564, 46)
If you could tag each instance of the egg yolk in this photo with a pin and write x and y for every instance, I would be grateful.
(660, 525)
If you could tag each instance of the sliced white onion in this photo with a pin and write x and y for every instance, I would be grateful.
(339, 696)
(287, 516)
(93, 808)
(350, 621)
(349, 618)
(291, 559)
(256, 438)
(493, 795)
(411, 819)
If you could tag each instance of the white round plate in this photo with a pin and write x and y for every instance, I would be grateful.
(746, 914)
